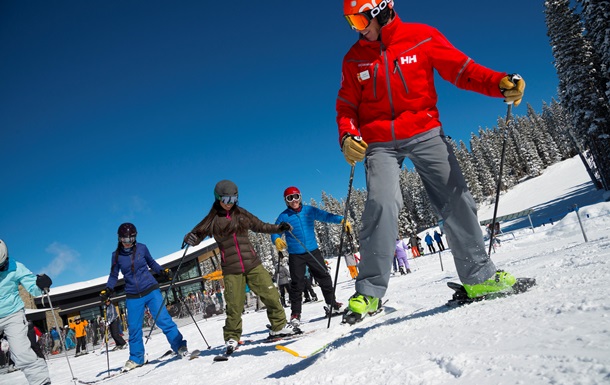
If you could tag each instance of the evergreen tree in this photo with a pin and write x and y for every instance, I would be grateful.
(470, 173)
(545, 145)
(579, 83)
(596, 17)
(486, 181)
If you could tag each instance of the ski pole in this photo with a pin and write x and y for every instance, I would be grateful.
(349, 194)
(493, 221)
(188, 310)
(280, 255)
(106, 337)
(309, 252)
(441, 259)
(171, 285)
(61, 338)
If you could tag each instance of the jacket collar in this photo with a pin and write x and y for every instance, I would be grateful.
(387, 33)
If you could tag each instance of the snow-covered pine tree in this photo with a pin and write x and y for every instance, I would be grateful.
(545, 145)
(470, 173)
(581, 87)
(486, 179)
(558, 124)
(596, 18)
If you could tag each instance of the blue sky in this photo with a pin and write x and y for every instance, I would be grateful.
(132, 111)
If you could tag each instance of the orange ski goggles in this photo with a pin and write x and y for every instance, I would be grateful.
(359, 21)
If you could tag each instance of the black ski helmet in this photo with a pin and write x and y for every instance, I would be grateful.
(225, 188)
(127, 231)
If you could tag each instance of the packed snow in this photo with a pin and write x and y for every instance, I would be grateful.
(556, 333)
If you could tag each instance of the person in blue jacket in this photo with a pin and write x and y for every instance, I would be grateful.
(303, 250)
(430, 243)
(134, 261)
(12, 315)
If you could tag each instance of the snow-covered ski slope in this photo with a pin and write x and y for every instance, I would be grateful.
(557, 333)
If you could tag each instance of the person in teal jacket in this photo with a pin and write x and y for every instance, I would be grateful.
(303, 250)
(12, 315)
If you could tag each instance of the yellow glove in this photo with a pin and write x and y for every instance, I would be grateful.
(346, 225)
(280, 244)
(512, 87)
(353, 148)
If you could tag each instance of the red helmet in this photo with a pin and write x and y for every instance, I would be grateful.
(292, 194)
(359, 13)
(291, 190)
(351, 7)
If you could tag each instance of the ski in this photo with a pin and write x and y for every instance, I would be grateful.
(119, 371)
(309, 347)
(194, 354)
(460, 297)
(268, 340)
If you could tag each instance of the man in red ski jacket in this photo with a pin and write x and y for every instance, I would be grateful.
(386, 111)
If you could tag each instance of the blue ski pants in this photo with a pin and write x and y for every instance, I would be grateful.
(135, 317)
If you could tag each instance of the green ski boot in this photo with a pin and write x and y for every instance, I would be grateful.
(359, 307)
(501, 282)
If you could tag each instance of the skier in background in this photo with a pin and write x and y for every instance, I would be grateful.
(283, 281)
(430, 243)
(439, 240)
(112, 323)
(81, 335)
(34, 336)
(386, 111)
(12, 315)
(308, 292)
(414, 243)
(401, 256)
(56, 341)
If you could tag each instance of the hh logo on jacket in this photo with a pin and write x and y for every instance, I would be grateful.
(408, 59)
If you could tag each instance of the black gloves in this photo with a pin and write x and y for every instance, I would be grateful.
(284, 226)
(191, 239)
(105, 294)
(43, 282)
(165, 275)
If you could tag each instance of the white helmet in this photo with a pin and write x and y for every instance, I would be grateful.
(3, 255)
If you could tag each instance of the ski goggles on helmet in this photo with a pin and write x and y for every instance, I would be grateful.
(127, 240)
(228, 199)
(360, 21)
(293, 197)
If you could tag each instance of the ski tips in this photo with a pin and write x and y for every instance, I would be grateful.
(288, 350)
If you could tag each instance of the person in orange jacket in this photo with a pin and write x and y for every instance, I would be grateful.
(81, 335)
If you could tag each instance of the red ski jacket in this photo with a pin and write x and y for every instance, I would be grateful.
(387, 87)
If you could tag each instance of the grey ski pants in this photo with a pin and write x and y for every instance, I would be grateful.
(442, 178)
(15, 328)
